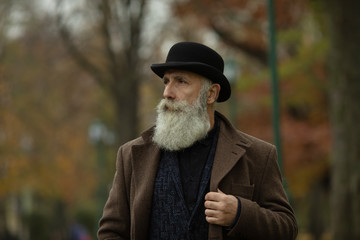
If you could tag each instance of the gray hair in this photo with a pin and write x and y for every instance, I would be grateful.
(204, 89)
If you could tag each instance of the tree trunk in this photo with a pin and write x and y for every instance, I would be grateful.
(126, 103)
(345, 113)
(119, 74)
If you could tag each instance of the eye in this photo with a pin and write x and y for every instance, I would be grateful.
(181, 80)
(165, 81)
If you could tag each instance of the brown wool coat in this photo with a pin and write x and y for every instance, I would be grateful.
(243, 166)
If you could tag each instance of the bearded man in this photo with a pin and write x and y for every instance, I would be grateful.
(193, 175)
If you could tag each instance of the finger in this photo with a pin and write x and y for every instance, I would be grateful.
(215, 220)
(211, 220)
(211, 213)
(212, 205)
(214, 196)
(209, 196)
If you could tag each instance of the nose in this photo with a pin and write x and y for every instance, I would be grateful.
(169, 91)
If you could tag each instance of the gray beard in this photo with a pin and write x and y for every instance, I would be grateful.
(179, 124)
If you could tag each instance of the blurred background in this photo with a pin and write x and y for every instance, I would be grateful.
(75, 83)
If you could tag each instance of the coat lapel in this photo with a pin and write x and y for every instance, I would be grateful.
(230, 149)
(145, 165)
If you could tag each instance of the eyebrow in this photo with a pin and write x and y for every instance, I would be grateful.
(180, 77)
(176, 77)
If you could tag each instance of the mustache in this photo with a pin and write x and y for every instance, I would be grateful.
(167, 105)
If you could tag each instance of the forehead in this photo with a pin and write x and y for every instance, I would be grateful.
(182, 73)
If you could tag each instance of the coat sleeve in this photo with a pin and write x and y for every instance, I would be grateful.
(115, 221)
(269, 215)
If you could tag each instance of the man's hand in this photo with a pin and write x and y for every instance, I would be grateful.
(220, 208)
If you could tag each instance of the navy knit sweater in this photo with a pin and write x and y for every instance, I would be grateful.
(181, 183)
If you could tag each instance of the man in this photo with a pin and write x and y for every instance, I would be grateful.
(193, 175)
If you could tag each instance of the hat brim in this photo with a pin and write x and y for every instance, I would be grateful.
(199, 68)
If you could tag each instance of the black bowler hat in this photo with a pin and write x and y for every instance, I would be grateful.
(196, 58)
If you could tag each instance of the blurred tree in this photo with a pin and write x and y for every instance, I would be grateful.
(45, 128)
(5, 9)
(116, 28)
(345, 114)
(46, 106)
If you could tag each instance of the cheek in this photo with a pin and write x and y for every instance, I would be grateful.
(184, 96)
(189, 95)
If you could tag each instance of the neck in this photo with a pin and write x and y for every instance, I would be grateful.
(211, 113)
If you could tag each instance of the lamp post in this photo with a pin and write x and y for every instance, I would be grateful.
(275, 89)
(99, 137)
(274, 80)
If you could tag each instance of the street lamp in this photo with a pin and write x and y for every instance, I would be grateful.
(98, 133)
(100, 136)
(275, 89)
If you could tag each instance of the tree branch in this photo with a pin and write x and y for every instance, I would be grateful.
(77, 55)
(256, 52)
(105, 30)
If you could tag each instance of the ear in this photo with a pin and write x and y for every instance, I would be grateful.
(213, 93)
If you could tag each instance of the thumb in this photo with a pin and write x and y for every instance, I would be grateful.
(219, 191)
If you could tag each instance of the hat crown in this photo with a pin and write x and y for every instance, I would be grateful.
(197, 53)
